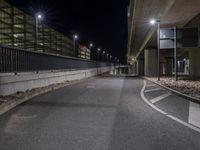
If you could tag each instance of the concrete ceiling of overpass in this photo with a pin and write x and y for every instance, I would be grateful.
(169, 12)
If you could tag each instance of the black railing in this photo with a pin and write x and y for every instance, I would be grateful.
(17, 60)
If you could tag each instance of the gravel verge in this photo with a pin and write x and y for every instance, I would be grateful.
(188, 87)
(11, 101)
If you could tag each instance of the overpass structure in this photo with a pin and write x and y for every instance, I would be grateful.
(142, 43)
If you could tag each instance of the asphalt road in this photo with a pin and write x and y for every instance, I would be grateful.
(106, 113)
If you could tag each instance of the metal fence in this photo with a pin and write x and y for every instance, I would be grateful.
(17, 60)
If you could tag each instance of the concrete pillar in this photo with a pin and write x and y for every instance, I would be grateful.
(140, 67)
(194, 63)
(151, 67)
(132, 68)
(186, 66)
(169, 66)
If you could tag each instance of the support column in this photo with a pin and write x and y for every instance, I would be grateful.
(132, 68)
(169, 66)
(140, 67)
(151, 56)
(194, 63)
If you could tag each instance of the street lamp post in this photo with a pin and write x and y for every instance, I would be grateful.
(110, 58)
(107, 57)
(115, 60)
(103, 53)
(158, 44)
(98, 53)
(75, 38)
(118, 62)
(37, 18)
(175, 54)
(158, 41)
(90, 46)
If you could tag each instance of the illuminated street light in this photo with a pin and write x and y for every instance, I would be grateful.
(91, 45)
(91, 52)
(75, 37)
(115, 59)
(107, 57)
(152, 22)
(38, 17)
(110, 58)
(98, 53)
(103, 53)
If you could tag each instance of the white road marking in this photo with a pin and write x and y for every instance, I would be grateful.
(151, 90)
(166, 114)
(150, 85)
(148, 102)
(159, 98)
(194, 113)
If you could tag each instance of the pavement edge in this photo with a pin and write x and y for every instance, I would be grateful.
(190, 98)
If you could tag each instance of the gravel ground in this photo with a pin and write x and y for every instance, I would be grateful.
(188, 87)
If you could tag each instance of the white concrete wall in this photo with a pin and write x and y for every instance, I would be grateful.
(10, 83)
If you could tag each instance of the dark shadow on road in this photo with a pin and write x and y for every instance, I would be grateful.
(61, 104)
(118, 76)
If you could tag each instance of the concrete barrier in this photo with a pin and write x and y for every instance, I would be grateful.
(21, 82)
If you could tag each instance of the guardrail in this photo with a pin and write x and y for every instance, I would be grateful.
(18, 60)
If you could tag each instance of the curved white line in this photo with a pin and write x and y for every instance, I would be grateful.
(164, 113)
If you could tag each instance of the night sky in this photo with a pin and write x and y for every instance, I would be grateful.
(103, 22)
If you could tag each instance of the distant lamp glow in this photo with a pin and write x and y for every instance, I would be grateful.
(91, 45)
(39, 16)
(153, 21)
(99, 49)
(75, 36)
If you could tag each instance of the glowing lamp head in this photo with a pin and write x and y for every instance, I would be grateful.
(152, 22)
(39, 16)
(75, 36)
(91, 45)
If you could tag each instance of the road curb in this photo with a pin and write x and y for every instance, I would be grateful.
(190, 98)
(5, 107)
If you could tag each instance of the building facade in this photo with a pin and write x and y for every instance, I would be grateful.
(17, 29)
(84, 53)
